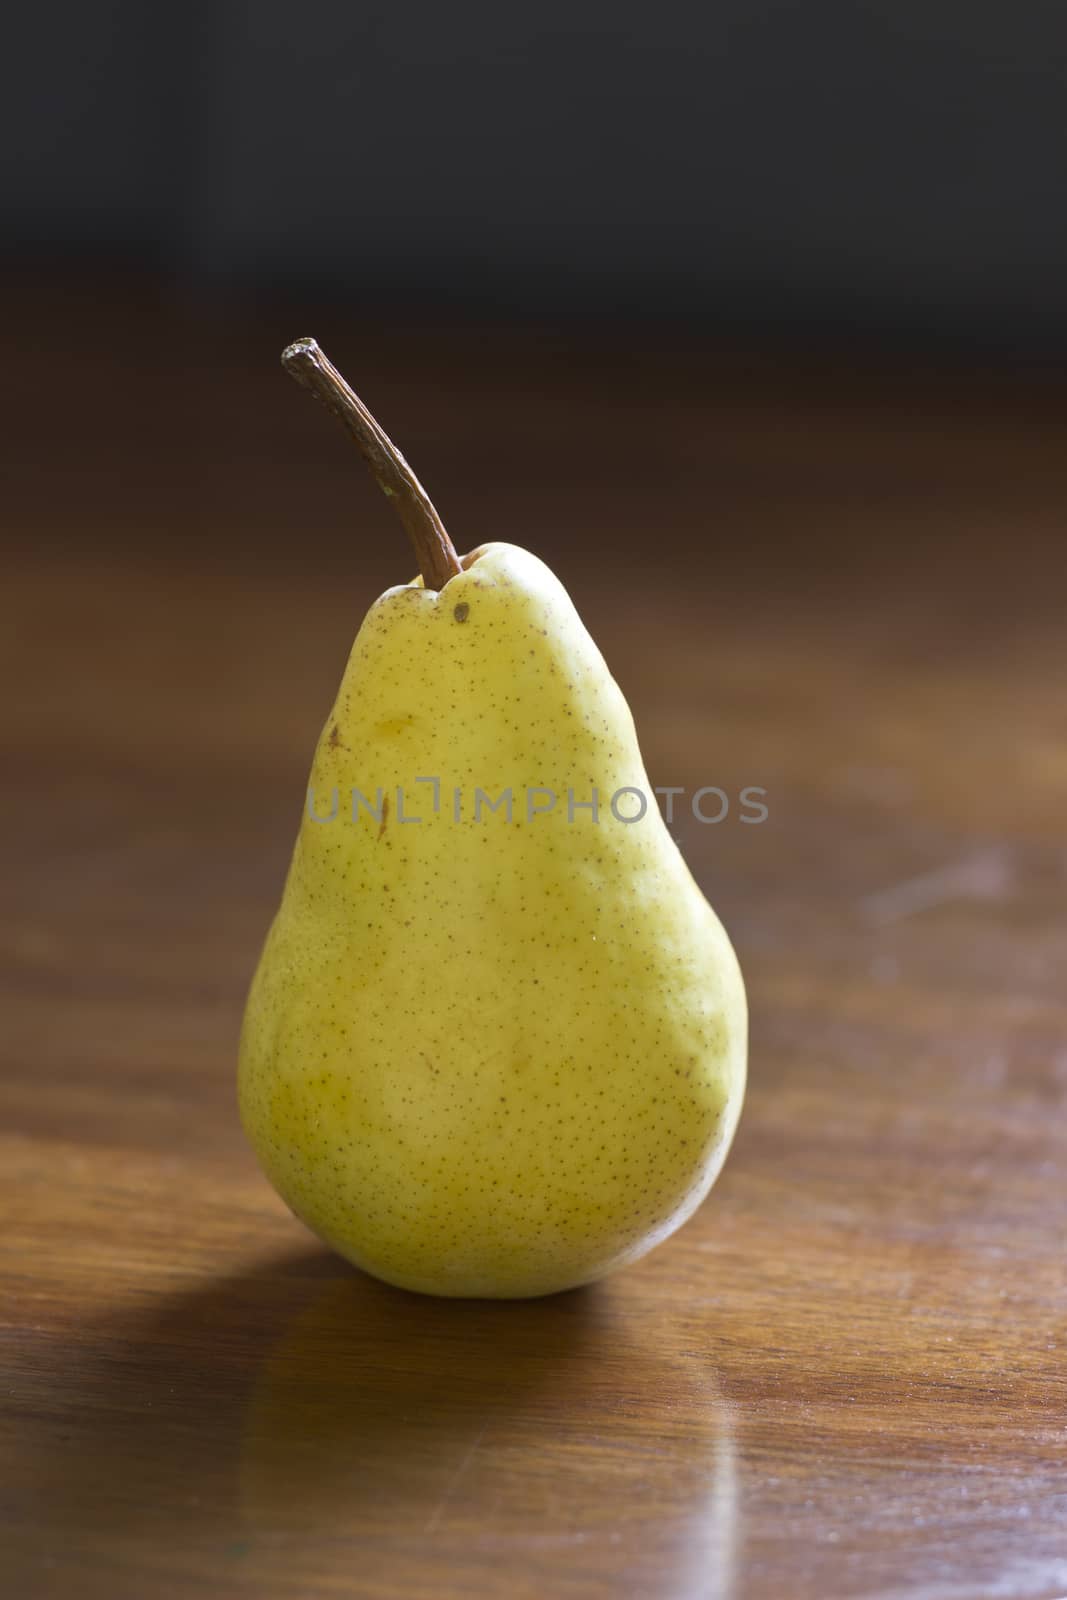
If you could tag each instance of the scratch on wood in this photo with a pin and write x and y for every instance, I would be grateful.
(981, 877)
(454, 1481)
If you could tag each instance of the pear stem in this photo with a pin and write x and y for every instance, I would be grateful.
(434, 550)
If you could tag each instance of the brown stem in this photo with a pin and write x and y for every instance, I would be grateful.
(434, 550)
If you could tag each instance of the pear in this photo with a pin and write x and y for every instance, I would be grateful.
(496, 1041)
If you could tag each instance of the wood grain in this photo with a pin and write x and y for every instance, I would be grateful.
(846, 1376)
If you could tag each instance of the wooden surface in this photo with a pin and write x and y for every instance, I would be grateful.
(846, 1376)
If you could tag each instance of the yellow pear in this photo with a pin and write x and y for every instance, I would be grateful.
(496, 1041)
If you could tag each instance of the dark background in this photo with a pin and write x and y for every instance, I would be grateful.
(872, 168)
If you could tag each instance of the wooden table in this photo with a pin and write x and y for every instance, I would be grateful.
(845, 1377)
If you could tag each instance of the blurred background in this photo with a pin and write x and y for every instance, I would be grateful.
(878, 169)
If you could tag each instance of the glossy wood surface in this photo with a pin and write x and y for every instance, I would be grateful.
(846, 1376)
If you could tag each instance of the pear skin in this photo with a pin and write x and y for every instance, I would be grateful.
(490, 1049)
